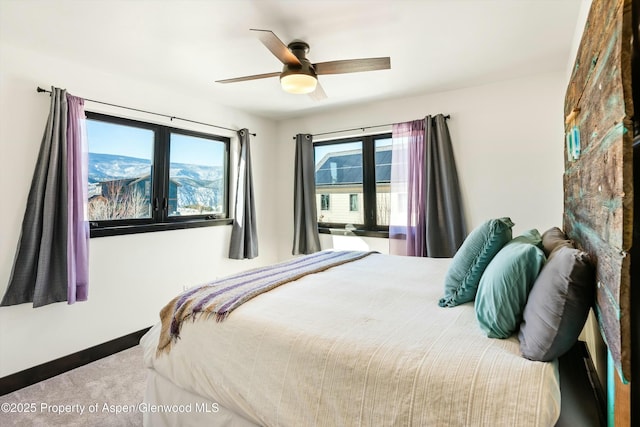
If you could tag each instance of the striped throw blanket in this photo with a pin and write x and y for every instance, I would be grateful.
(221, 297)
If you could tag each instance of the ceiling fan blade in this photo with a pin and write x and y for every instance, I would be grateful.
(318, 94)
(277, 47)
(353, 65)
(245, 78)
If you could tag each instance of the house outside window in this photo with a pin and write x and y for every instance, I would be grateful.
(148, 177)
(356, 173)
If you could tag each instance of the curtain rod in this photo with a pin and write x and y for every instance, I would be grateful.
(150, 112)
(362, 128)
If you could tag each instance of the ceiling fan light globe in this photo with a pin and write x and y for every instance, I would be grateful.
(298, 83)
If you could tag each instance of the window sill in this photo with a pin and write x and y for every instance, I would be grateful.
(148, 228)
(383, 234)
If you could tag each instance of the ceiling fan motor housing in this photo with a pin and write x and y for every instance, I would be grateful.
(300, 50)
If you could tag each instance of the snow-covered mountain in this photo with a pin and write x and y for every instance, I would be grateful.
(197, 184)
(108, 167)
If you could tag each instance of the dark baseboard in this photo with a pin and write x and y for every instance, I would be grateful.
(30, 376)
(583, 399)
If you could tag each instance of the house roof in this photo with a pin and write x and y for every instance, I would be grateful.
(345, 167)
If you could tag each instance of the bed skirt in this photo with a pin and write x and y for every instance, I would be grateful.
(167, 405)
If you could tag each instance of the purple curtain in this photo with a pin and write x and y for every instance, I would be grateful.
(407, 227)
(51, 262)
(426, 209)
(78, 226)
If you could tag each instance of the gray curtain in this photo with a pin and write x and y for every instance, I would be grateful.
(445, 224)
(40, 267)
(305, 219)
(426, 209)
(244, 237)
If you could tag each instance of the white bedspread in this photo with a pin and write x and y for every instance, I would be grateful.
(365, 344)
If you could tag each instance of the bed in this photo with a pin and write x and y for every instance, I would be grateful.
(361, 343)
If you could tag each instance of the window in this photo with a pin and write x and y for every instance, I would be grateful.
(325, 202)
(356, 173)
(147, 177)
(353, 202)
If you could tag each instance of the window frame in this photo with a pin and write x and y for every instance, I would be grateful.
(369, 194)
(160, 220)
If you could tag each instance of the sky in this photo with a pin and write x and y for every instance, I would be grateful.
(110, 138)
(322, 150)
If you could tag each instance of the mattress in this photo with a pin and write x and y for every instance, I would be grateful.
(363, 343)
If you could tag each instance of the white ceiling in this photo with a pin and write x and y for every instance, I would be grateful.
(434, 45)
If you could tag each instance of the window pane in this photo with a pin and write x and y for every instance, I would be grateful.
(325, 202)
(383, 180)
(120, 159)
(338, 177)
(197, 176)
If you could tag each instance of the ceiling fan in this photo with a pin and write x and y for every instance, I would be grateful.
(300, 76)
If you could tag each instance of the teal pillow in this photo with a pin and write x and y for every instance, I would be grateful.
(477, 250)
(506, 283)
(533, 236)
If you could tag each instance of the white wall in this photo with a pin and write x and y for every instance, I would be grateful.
(131, 277)
(583, 15)
(507, 139)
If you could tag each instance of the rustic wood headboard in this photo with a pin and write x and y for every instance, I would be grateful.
(598, 185)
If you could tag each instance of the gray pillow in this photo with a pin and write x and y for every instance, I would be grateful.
(552, 238)
(558, 305)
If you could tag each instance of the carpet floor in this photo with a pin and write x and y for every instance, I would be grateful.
(104, 393)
